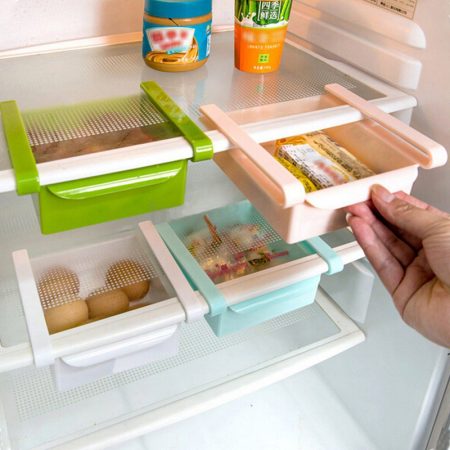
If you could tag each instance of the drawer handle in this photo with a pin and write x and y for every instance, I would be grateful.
(121, 348)
(115, 182)
(426, 152)
(290, 191)
(279, 295)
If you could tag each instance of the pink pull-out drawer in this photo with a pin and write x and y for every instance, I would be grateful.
(393, 150)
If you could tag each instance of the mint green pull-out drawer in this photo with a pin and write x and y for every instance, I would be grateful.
(226, 316)
(264, 307)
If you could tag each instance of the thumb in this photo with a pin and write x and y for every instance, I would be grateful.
(404, 215)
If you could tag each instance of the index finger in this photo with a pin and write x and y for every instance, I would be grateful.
(382, 227)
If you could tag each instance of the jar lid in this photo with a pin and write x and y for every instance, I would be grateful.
(177, 9)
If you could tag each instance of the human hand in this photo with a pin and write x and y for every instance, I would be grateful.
(408, 244)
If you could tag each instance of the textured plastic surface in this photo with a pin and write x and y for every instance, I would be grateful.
(27, 177)
(74, 204)
(224, 318)
(123, 64)
(191, 304)
(201, 144)
(64, 133)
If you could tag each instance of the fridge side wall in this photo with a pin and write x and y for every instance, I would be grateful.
(432, 115)
(393, 382)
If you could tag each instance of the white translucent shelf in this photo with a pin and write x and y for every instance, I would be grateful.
(207, 372)
(304, 413)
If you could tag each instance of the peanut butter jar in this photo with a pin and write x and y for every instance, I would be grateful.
(177, 34)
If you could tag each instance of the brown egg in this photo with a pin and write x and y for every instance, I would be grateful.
(130, 277)
(67, 315)
(137, 291)
(103, 303)
(58, 283)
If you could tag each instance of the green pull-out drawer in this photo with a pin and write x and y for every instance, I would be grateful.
(78, 203)
(102, 198)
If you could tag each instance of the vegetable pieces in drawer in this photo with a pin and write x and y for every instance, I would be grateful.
(236, 242)
(234, 251)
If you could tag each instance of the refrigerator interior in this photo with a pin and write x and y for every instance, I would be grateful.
(380, 394)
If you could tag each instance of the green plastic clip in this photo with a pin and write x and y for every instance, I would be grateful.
(22, 158)
(201, 144)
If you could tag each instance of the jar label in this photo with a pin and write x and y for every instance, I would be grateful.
(176, 44)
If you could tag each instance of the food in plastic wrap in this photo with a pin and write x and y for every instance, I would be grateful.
(222, 267)
(318, 162)
(246, 236)
(234, 252)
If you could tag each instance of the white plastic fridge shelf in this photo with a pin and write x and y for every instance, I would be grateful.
(207, 372)
(117, 71)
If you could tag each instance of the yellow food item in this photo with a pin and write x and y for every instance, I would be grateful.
(307, 183)
(67, 315)
(129, 276)
(103, 303)
(318, 162)
(321, 142)
(58, 283)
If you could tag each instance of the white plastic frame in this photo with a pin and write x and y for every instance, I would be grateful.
(103, 340)
(176, 149)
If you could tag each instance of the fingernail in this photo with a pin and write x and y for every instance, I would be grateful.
(382, 193)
